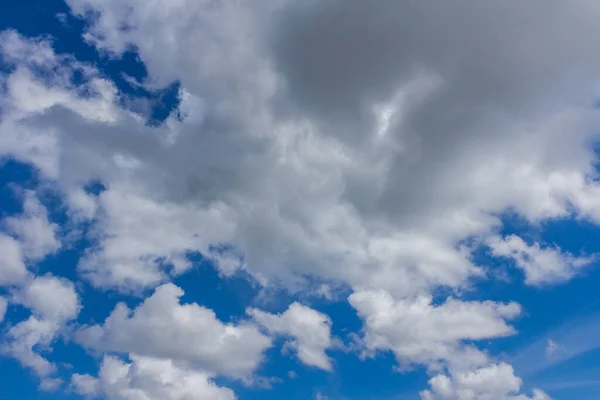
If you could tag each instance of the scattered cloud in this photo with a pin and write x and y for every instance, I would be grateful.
(312, 142)
(149, 378)
(493, 382)
(419, 332)
(309, 329)
(540, 265)
(163, 327)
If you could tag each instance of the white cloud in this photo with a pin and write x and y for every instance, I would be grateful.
(3, 307)
(149, 379)
(84, 384)
(12, 266)
(419, 332)
(53, 302)
(325, 197)
(309, 329)
(82, 205)
(51, 298)
(309, 161)
(551, 348)
(540, 265)
(51, 384)
(492, 382)
(141, 237)
(36, 234)
(320, 396)
(163, 327)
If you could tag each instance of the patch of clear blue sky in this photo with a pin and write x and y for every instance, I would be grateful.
(564, 313)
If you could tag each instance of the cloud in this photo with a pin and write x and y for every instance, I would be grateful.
(551, 348)
(320, 396)
(331, 196)
(148, 378)
(340, 141)
(34, 238)
(51, 298)
(53, 303)
(162, 327)
(144, 241)
(309, 329)
(13, 270)
(419, 332)
(540, 265)
(35, 233)
(492, 382)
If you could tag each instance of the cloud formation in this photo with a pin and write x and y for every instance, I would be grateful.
(419, 332)
(373, 146)
(309, 329)
(148, 378)
(162, 327)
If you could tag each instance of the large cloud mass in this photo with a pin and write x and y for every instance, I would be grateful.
(374, 146)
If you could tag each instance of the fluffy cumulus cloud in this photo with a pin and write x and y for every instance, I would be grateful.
(492, 382)
(13, 269)
(148, 378)
(28, 237)
(309, 329)
(53, 303)
(163, 327)
(37, 236)
(369, 146)
(420, 332)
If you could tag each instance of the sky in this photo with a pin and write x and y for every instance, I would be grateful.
(312, 200)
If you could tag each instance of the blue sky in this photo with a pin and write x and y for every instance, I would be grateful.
(213, 200)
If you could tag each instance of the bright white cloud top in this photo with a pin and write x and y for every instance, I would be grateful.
(317, 148)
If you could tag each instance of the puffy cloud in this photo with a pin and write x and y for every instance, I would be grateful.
(492, 382)
(34, 238)
(319, 139)
(145, 241)
(12, 266)
(162, 327)
(310, 331)
(51, 298)
(53, 303)
(374, 188)
(36, 234)
(365, 172)
(540, 265)
(149, 379)
(419, 332)
(51, 384)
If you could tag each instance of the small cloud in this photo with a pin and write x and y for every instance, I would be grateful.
(320, 396)
(292, 374)
(551, 348)
(63, 18)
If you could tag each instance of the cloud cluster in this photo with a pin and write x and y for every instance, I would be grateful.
(148, 378)
(162, 327)
(343, 141)
(493, 382)
(52, 301)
